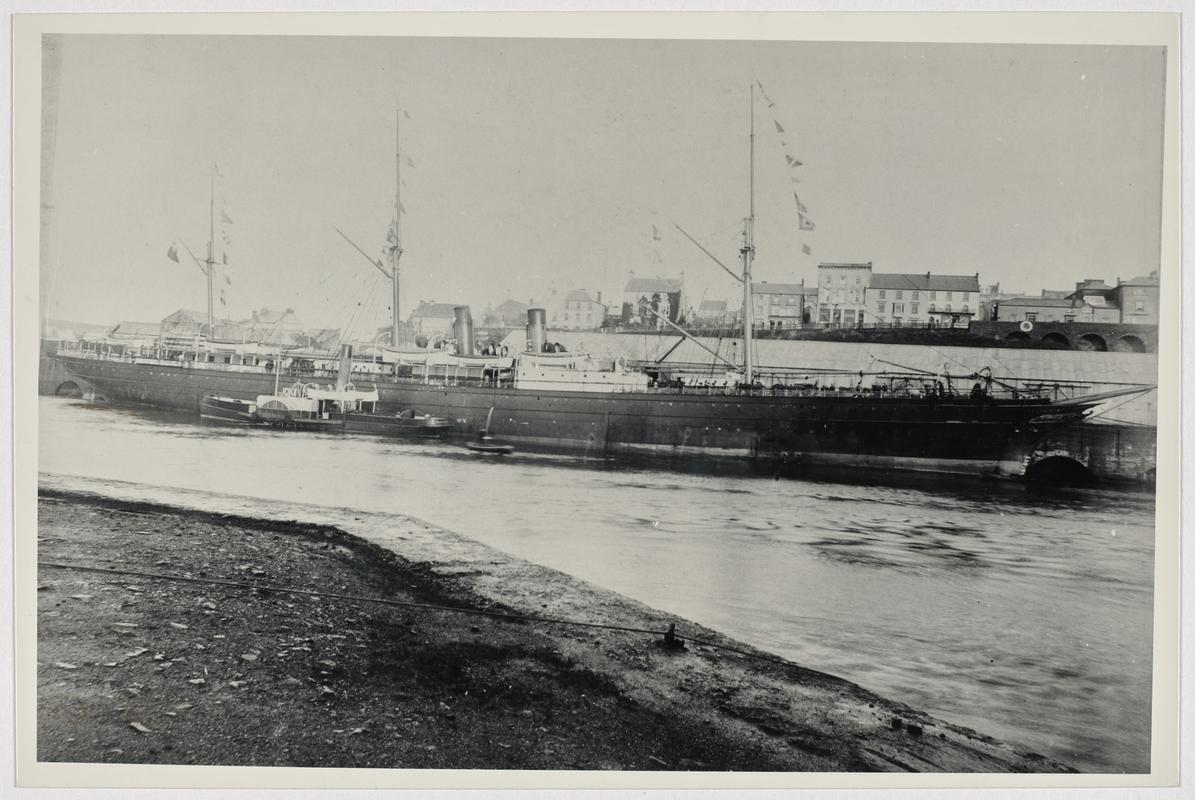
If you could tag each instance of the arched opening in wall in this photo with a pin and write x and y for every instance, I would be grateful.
(68, 389)
(1092, 341)
(1017, 336)
(1056, 340)
(1130, 344)
(1059, 471)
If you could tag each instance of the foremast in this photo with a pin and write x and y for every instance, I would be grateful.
(395, 239)
(210, 264)
(747, 253)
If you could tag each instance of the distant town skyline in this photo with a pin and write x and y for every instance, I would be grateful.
(538, 165)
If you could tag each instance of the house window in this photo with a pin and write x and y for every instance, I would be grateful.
(898, 308)
(948, 308)
(1029, 315)
(1068, 318)
(880, 307)
(931, 308)
(948, 297)
(1140, 307)
(933, 295)
(899, 294)
(913, 307)
(916, 296)
(883, 294)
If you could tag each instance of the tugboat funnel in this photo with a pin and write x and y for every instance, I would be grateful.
(345, 371)
(537, 330)
(462, 330)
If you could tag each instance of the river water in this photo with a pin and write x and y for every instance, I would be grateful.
(1025, 616)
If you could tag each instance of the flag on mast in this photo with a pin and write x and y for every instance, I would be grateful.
(172, 254)
(805, 223)
(224, 216)
(655, 234)
(779, 127)
(806, 249)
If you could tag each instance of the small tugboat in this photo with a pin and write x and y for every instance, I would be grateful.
(404, 423)
(228, 409)
(486, 444)
(305, 406)
(341, 408)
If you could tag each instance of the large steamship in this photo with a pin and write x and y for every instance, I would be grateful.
(575, 401)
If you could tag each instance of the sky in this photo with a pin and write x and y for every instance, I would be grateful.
(534, 166)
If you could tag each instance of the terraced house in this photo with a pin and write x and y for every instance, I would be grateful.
(921, 298)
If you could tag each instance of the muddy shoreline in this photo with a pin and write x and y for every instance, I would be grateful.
(133, 669)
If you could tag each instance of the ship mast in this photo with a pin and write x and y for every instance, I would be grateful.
(747, 252)
(396, 245)
(211, 258)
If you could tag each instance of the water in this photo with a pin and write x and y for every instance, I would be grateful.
(1026, 617)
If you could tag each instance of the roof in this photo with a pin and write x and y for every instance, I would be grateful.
(654, 285)
(843, 265)
(434, 310)
(135, 329)
(1044, 302)
(712, 305)
(1141, 280)
(182, 313)
(925, 281)
(578, 296)
(511, 305)
(777, 288)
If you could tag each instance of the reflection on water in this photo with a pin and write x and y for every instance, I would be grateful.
(1024, 616)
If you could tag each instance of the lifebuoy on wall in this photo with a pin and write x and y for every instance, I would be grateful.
(1026, 326)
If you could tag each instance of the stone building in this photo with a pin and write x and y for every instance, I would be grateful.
(840, 292)
(658, 293)
(778, 305)
(920, 298)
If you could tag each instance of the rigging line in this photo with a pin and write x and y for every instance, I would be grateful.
(1128, 399)
(480, 612)
(370, 298)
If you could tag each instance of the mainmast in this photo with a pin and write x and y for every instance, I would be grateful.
(747, 252)
(396, 245)
(211, 258)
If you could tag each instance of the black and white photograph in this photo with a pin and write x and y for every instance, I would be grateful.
(692, 405)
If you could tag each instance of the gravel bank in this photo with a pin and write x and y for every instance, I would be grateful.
(139, 670)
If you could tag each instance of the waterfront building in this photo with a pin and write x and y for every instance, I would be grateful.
(922, 298)
(778, 305)
(840, 292)
(432, 319)
(713, 313)
(1019, 308)
(577, 311)
(665, 295)
(1134, 301)
(508, 314)
(1138, 299)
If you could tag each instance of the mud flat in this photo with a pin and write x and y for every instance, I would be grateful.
(264, 647)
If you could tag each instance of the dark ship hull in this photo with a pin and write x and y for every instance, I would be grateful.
(954, 435)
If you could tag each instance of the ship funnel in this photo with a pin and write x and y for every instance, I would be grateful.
(462, 330)
(537, 330)
(345, 372)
